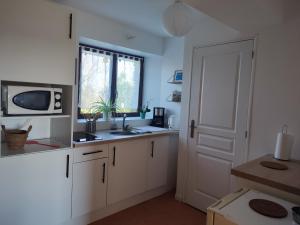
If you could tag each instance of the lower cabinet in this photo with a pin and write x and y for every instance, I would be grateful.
(158, 150)
(127, 170)
(36, 188)
(89, 186)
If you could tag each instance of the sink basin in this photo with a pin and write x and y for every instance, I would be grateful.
(123, 133)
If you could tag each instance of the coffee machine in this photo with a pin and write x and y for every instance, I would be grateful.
(158, 117)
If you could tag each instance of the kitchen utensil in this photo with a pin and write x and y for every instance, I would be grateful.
(273, 165)
(296, 214)
(32, 142)
(15, 138)
(268, 208)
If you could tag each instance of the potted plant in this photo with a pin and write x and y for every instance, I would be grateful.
(104, 107)
(144, 110)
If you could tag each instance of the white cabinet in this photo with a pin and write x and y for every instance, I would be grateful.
(89, 186)
(35, 43)
(36, 188)
(158, 150)
(127, 170)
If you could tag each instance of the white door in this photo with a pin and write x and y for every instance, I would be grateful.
(127, 170)
(219, 107)
(36, 188)
(89, 186)
(158, 150)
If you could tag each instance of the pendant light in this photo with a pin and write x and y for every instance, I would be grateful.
(177, 19)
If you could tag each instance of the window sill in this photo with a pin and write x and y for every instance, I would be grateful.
(118, 119)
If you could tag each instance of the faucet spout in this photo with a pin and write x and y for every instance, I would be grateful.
(124, 118)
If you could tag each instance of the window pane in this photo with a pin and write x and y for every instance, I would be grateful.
(128, 82)
(95, 80)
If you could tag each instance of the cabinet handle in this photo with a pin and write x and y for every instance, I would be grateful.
(114, 156)
(70, 25)
(192, 128)
(89, 153)
(152, 149)
(67, 167)
(103, 173)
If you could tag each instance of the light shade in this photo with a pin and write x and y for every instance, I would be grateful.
(177, 19)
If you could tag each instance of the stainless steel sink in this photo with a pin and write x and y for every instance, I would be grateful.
(126, 132)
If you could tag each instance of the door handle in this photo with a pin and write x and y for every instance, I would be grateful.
(114, 156)
(67, 166)
(152, 149)
(192, 128)
(103, 173)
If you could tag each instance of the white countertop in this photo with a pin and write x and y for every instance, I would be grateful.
(106, 136)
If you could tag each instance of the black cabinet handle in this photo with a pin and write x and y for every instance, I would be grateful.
(67, 166)
(90, 153)
(152, 149)
(70, 25)
(192, 128)
(103, 173)
(114, 156)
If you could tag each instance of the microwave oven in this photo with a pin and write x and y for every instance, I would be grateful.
(24, 100)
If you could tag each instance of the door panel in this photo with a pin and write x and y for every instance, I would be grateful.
(89, 186)
(158, 149)
(219, 87)
(127, 170)
(221, 78)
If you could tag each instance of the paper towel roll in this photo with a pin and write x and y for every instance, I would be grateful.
(284, 145)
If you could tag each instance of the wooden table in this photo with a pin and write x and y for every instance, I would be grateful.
(284, 180)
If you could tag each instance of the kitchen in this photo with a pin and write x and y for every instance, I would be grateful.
(44, 45)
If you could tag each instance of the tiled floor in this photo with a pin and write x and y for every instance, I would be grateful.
(163, 210)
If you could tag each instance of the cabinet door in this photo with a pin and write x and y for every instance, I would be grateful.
(89, 186)
(35, 42)
(158, 149)
(36, 188)
(127, 170)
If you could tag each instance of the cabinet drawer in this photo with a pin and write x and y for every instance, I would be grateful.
(90, 152)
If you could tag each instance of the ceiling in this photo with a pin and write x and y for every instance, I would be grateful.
(142, 14)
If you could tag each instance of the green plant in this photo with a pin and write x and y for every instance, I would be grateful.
(103, 106)
(145, 109)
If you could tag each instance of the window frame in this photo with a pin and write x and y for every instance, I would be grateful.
(114, 78)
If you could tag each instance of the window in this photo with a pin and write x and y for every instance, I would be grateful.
(111, 75)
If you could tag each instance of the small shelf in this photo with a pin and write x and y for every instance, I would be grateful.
(174, 101)
(35, 117)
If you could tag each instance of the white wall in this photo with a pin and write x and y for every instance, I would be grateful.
(152, 80)
(106, 30)
(103, 32)
(172, 60)
(276, 99)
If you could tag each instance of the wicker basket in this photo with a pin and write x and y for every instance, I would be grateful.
(16, 139)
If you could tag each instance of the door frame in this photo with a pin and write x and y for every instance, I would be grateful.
(183, 151)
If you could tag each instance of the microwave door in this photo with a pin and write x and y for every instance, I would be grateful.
(31, 102)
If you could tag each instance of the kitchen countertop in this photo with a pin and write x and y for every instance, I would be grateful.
(285, 180)
(108, 138)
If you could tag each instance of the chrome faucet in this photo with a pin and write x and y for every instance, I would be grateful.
(123, 126)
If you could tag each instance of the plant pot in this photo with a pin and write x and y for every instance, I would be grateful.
(106, 116)
(143, 115)
(16, 139)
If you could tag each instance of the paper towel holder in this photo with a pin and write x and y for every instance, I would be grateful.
(284, 143)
